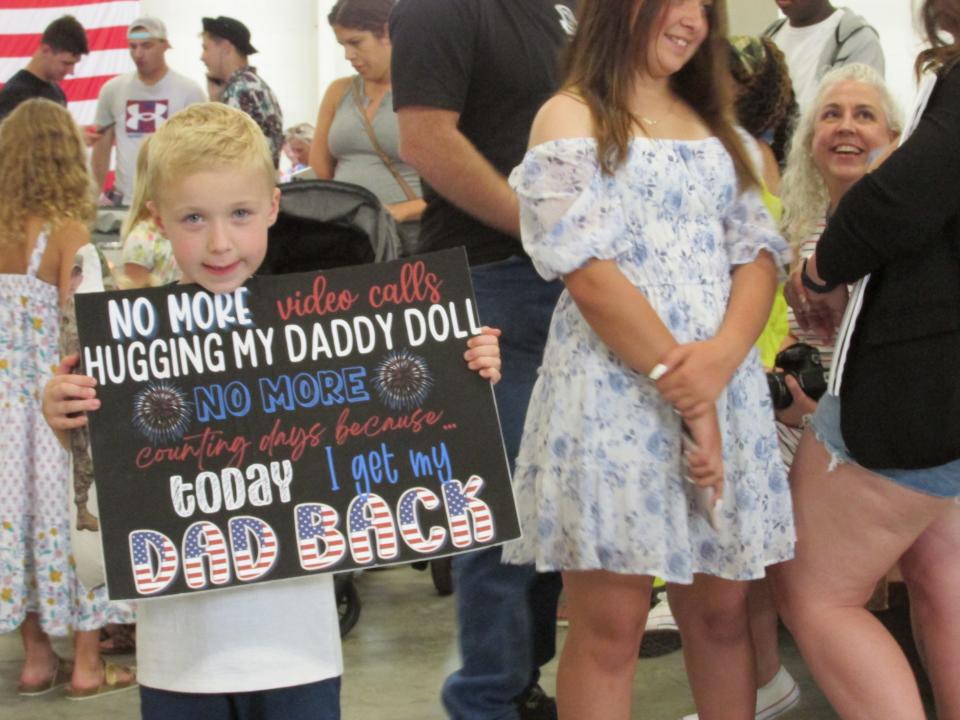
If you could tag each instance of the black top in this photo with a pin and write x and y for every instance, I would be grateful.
(25, 85)
(901, 223)
(493, 61)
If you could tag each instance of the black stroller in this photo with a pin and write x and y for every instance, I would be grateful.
(325, 224)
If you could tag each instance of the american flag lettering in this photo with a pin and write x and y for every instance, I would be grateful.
(370, 513)
(317, 523)
(243, 530)
(410, 523)
(155, 561)
(202, 540)
(462, 504)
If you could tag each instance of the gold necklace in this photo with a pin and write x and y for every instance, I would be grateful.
(654, 121)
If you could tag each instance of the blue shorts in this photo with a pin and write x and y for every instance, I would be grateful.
(314, 701)
(940, 481)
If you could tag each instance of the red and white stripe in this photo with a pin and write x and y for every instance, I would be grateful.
(462, 505)
(147, 579)
(482, 517)
(377, 519)
(214, 544)
(324, 520)
(410, 531)
(22, 23)
(257, 536)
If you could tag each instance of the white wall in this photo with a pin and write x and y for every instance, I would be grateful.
(330, 59)
(299, 56)
(751, 17)
(894, 20)
(285, 32)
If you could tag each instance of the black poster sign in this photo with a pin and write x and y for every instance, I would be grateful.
(303, 423)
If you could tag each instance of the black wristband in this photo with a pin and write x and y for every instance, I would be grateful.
(812, 285)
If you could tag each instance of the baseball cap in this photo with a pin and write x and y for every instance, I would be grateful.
(227, 28)
(146, 28)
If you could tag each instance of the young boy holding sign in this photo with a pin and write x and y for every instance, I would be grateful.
(265, 651)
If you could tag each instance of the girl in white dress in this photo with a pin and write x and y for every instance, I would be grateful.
(46, 197)
(643, 197)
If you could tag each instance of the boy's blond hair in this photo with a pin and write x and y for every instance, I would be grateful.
(203, 137)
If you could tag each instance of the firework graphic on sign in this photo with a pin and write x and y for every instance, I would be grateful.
(161, 412)
(403, 380)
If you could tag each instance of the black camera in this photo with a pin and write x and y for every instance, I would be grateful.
(803, 362)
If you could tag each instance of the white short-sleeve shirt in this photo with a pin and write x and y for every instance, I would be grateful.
(244, 639)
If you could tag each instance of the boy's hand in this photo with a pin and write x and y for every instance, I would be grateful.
(483, 354)
(67, 397)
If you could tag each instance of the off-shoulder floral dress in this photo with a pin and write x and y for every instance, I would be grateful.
(600, 479)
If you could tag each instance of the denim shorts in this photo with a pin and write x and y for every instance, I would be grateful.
(940, 481)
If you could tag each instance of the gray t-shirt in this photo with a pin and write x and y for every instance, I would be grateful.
(137, 111)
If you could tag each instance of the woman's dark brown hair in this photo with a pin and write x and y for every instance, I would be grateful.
(765, 103)
(369, 15)
(939, 16)
(607, 52)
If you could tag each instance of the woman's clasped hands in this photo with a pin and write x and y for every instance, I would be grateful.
(696, 374)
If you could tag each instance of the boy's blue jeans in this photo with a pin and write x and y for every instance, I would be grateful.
(315, 701)
(506, 613)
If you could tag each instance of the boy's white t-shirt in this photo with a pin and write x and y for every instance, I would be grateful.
(259, 637)
(802, 48)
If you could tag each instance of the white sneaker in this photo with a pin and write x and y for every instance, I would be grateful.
(777, 696)
(774, 698)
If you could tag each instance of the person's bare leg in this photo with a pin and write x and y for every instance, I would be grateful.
(764, 630)
(607, 614)
(712, 617)
(40, 661)
(852, 525)
(88, 669)
(932, 574)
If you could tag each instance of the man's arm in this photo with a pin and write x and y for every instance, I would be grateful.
(432, 143)
(100, 158)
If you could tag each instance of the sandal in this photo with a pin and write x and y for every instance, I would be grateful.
(61, 676)
(111, 683)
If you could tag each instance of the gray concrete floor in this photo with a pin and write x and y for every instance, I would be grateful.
(396, 658)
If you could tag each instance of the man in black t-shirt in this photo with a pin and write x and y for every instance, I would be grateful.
(468, 78)
(62, 44)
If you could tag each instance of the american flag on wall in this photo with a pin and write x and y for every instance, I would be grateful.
(22, 23)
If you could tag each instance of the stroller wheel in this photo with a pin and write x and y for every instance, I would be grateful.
(348, 604)
(441, 570)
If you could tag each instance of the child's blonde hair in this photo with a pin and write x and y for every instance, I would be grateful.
(138, 203)
(205, 136)
(43, 170)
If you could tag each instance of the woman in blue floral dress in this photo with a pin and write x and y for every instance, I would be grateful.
(45, 197)
(640, 194)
